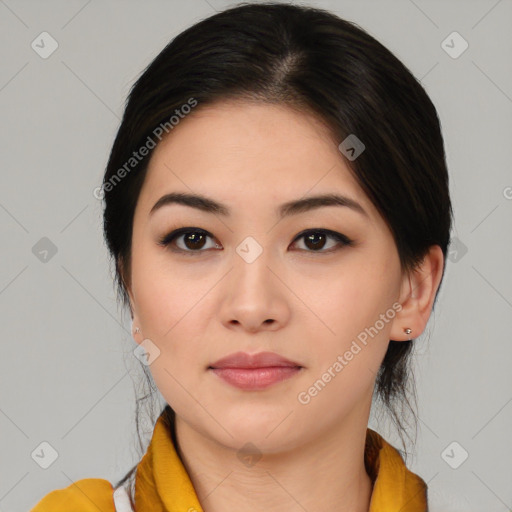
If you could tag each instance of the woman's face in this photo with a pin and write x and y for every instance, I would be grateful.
(254, 284)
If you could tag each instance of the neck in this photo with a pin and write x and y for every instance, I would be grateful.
(326, 474)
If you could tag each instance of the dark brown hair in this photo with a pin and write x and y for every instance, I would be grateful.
(311, 60)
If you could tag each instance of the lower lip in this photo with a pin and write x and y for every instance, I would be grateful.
(255, 378)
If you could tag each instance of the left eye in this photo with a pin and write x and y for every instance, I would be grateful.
(194, 240)
(315, 238)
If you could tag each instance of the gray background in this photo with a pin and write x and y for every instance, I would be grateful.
(67, 365)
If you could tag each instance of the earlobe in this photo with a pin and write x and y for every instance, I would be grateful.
(417, 295)
(136, 330)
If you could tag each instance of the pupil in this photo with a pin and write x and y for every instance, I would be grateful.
(190, 237)
(311, 237)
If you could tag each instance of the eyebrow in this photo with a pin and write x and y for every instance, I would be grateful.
(294, 207)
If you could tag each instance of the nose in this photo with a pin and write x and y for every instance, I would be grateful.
(254, 297)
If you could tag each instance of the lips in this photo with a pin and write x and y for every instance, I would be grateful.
(243, 360)
(254, 372)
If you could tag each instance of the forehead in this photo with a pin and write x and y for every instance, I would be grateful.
(245, 152)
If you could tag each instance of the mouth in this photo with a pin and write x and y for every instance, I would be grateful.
(254, 371)
(255, 379)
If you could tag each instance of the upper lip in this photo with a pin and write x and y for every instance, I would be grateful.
(245, 360)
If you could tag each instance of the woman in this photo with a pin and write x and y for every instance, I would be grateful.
(277, 208)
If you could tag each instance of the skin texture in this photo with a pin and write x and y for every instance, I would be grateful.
(304, 305)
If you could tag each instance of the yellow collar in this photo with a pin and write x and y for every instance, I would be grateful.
(163, 485)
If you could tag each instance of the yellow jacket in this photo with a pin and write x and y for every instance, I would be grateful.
(163, 485)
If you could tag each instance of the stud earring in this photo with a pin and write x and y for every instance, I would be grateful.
(137, 330)
(407, 330)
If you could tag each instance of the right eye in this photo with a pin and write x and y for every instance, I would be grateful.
(193, 240)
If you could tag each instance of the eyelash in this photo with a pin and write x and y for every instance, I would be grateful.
(343, 240)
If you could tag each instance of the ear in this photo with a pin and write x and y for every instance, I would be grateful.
(417, 295)
(137, 335)
(133, 310)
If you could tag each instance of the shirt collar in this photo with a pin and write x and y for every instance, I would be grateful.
(163, 485)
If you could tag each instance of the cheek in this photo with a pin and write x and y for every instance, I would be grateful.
(355, 307)
(164, 294)
(345, 362)
(171, 313)
(172, 306)
(354, 298)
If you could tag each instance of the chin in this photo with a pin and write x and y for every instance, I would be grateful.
(265, 430)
